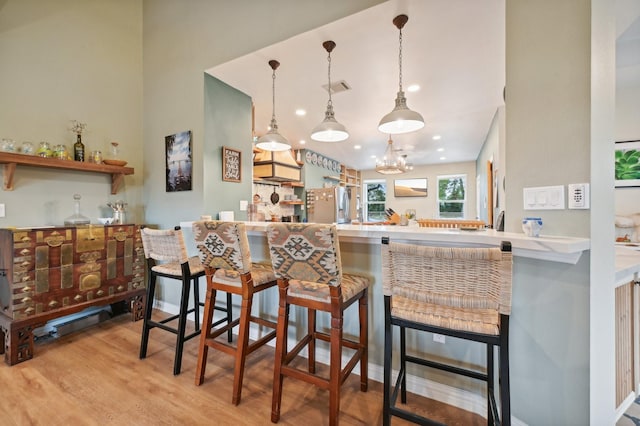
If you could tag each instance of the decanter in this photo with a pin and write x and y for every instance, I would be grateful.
(77, 218)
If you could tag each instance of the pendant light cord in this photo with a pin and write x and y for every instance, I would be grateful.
(400, 61)
(330, 103)
(273, 95)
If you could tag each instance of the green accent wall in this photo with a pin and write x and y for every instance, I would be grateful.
(227, 122)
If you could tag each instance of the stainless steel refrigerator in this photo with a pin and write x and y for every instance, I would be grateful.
(330, 205)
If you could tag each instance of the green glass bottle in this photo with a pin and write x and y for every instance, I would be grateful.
(78, 149)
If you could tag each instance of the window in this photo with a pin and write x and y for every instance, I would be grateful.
(376, 196)
(452, 190)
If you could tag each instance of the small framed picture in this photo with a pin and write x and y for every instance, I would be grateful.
(410, 187)
(178, 161)
(627, 166)
(231, 165)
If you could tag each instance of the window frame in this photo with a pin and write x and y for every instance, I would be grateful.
(465, 185)
(365, 198)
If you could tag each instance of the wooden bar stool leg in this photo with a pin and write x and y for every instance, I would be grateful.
(151, 290)
(281, 350)
(311, 329)
(182, 324)
(196, 302)
(207, 320)
(335, 368)
(243, 345)
(229, 318)
(364, 340)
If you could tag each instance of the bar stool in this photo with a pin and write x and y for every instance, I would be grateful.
(306, 261)
(224, 253)
(459, 292)
(167, 257)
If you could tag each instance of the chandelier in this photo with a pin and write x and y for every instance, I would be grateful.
(391, 163)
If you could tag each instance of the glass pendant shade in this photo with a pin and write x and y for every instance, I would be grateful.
(329, 130)
(391, 164)
(401, 119)
(273, 140)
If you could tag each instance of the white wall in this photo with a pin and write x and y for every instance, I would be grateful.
(71, 60)
(627, 128)
(427, 207)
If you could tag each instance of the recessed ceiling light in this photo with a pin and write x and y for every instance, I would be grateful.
(436, 137)
(443, 158)
(357, 146)
(302, 141)
(373, 156)
(413, 88)
(440, 149)
(300, 112)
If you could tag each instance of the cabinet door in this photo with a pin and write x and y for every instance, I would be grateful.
(624, 342)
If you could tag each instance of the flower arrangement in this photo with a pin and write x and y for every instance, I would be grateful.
(77, 127)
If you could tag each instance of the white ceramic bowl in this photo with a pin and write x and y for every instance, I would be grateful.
(105, 220)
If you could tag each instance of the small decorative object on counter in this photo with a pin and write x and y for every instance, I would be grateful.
(78, 147)
(44, 150)
(77, 218)
(27, 148)
(531, 226)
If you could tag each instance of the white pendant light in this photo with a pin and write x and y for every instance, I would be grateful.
(329, 130)
(272, 140)
(401, 119)
(391, 164)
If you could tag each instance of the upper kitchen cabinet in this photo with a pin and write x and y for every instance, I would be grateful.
(277, 166)
(349, 177)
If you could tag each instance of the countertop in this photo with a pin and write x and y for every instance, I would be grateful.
(551, 248)
(627, 261)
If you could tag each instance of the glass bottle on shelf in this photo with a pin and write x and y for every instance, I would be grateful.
(78, 149)
(115, 151)
(77, 218)
(44, 150)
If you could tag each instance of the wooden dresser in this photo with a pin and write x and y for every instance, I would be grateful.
(46, 273)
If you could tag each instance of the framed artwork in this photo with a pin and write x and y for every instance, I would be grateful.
(231, 162)
(178, 161)
(410, 187)
(627, 166)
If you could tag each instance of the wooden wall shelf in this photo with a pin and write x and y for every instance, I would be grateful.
(10, 161)
(292, 202)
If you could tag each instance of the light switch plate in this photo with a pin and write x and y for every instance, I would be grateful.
(543, 198)
(2, 211)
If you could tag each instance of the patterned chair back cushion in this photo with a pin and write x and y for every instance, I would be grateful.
(223, 245)
(306, 252)
(164, 245)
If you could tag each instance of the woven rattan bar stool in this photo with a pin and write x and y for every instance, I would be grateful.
(459, 292)
(224, 253)
(306, 261)
(167, 257)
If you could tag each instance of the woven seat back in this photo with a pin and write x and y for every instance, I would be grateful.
(164, 245)
(465, 278)
(306, 252)
(223, 245)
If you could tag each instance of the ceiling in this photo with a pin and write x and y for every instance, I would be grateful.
(453, 49)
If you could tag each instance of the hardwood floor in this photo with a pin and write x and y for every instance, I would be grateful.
(94, 377)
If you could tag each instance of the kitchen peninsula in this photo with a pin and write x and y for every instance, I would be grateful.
(549, 287)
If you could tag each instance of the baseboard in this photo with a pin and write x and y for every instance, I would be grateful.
(460, 398)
